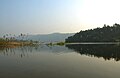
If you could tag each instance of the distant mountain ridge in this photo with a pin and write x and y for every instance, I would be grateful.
(54, 37)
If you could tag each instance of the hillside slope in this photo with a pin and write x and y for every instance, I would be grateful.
(105, 34)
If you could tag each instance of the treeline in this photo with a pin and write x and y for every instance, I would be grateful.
(10, 37)
(105, 34)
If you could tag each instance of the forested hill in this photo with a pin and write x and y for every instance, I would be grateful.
(105, 34)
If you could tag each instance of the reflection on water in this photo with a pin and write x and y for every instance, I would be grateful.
(60, 61)
(25, 50)
(107, 51)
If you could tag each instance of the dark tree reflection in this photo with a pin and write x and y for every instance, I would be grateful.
(98, 50)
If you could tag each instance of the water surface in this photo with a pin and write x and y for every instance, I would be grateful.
(69, 61)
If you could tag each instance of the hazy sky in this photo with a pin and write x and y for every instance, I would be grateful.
(48, 16)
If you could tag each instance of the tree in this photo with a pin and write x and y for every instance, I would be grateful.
(105, 34)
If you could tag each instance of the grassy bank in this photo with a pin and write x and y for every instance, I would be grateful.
(15, 43)
(58, 43)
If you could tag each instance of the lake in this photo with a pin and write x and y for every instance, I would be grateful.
(69, 61)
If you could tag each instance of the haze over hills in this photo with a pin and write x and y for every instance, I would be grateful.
(54, 37)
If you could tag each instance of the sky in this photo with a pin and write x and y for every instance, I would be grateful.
(49, 16)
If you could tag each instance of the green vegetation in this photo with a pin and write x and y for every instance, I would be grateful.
(60, 43)
(105, 34)
(50, 44)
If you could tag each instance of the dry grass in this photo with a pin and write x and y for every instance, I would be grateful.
(14, 44)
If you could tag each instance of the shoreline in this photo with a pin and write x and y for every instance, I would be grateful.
(94, 43)
(6, 44)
